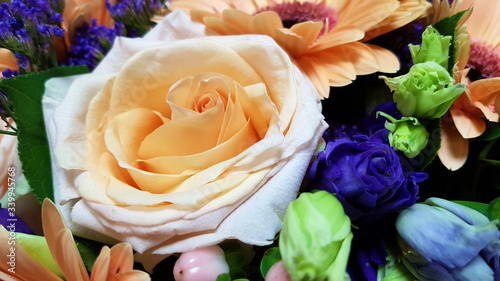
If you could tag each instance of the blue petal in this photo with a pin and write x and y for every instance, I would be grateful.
(441, 237)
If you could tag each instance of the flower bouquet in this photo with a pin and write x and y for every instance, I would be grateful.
(249, 140)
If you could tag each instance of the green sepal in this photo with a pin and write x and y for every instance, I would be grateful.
(478, 206)
(224, 277)
(271, 256)
(447, 27)
(234, 259)
(25, 93)
(492, 131)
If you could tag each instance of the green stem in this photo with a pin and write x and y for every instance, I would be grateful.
(8, 133)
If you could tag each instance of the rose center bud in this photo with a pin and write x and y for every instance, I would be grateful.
(483, 61)
(206, 101)
(293, 13)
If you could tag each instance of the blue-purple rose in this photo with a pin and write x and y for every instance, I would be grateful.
(367, 176)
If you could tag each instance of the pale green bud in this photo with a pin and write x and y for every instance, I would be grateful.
(36, 247)
(406, 134)
(426, 91)
(316, 238)
(435, 47)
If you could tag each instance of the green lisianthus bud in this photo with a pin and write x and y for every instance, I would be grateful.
(426, 91)
(36, 247)
(435, 47)
(316, 238)
(406, 134)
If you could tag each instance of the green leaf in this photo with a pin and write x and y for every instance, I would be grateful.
(447, 26)
(271, 256)
(234, 259)
(89, 250)
(25, 93)
(493, 209)
(480, 207)
(492, 131)
(224, 277)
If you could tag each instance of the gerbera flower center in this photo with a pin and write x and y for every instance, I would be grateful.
(295, 12)
(484, 62)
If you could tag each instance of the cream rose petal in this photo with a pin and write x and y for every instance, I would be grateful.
(268, 178)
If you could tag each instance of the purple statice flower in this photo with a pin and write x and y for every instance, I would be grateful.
(12, 222)
(135, 14)
(27, 28)
(4, 101)
(366, 175)
(92, 43)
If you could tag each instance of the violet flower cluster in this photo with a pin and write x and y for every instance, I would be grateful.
(27, 28)
(135, 15)
(91, 44)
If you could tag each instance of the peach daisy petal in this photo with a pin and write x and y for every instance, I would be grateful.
(101, 266)
(27, 269)
(454, 149)
(469, 126)
(484, 94)
(61, 243)
(316, 29)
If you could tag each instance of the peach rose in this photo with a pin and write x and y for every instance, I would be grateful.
(178, 140)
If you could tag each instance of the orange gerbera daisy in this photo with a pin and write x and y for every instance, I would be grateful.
(480, 99)
(115, 264)
(323, 37)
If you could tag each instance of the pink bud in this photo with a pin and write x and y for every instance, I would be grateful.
(202, 264)
(278, 273)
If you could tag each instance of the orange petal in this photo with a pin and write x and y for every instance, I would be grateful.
(454, 149)
(364, 14)
(483, 23)
(265, 23)
(315, 71)
(408, 11)
(467, 125)
(101, 266)
(307, 30)
(26, 268)
(61, 243)
(388, 62)
(485, 95)
(122, 259)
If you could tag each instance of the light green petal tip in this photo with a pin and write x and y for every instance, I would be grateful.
(316, 238)
(426, 91)
(435, 47)
(406, 134)
(37, 248)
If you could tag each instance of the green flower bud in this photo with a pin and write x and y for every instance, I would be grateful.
(435, 47)
(37, 248)
(406, 134)
(426, 91)
(316, 238)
